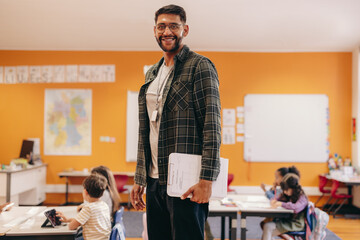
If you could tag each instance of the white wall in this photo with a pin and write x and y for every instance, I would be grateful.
(355, 149)
(355, 107)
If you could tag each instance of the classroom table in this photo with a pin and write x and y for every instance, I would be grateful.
(216, 209)
(82, 174)
(15, 216)
(350, 182)
(31, 228)
(256, 206)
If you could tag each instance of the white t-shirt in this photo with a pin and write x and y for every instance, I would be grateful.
(106, 198)
(95, 220)
(154, 95)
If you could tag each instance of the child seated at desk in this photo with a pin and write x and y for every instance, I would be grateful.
(279, 174)
(294, 198)
(111, 194)
(94, 215)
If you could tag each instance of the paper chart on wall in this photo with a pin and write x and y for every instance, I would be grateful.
(59, 73)
(22, 73)
(46, 74)
(35, 74)
(68, 114)
(229, 117)
(228, 135)
(71, 73)
(1, 74)
(10, 75)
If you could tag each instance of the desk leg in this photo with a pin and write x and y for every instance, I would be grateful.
(222, 228)
(243, 227)
(230, 227)
(67, 191)
(233, 228)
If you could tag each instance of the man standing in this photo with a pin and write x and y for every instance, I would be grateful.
(179, 111)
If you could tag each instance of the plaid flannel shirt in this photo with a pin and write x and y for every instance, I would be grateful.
(190, 120)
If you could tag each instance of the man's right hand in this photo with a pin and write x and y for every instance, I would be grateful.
(137, 197)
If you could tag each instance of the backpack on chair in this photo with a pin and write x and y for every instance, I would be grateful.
(322, 219)
(118, 230)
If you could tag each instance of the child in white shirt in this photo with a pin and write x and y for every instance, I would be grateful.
(94, 216)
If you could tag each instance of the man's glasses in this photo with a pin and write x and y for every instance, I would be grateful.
(173, 27)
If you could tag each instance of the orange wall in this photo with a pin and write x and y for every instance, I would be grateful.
(22, 105)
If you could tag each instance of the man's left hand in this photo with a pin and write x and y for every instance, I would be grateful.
(201, 192)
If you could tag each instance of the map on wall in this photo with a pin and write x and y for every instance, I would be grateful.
(67, 122)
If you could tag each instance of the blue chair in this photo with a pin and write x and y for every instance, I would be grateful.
(118, 230)
(308, 225)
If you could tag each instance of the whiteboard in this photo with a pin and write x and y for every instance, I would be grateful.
(286, 127)
(132, 126)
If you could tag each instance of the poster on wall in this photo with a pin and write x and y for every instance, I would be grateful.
(67, 128)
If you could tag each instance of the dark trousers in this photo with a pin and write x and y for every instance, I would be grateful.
(170, 218)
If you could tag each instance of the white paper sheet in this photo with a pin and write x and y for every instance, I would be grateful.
(59, 73)
(184, 172)
(228, 135)
(22, 73)
(10, 75)
(47, 74)
(229, 117)
(1, 74)
(35, 74)
(71, 73)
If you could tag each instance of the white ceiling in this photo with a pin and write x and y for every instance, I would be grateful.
(227, 25)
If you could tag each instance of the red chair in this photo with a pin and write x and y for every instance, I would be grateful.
(322, 183)
(337, 197)
(230, 179)
(121, 181)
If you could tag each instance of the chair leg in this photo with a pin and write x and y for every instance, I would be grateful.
(338, 208)
(318, 200)
(129, 202)
(325, 204)
(329, 210)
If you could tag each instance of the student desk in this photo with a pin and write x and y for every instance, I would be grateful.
(31, 228)
(218, 210)
(256, 206)
(82, 174)
(25, 186)
(16, 216)
(349, 182)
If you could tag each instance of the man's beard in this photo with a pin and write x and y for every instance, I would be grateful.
(173, 49)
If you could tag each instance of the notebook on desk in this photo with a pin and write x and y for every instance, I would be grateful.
(184, 172)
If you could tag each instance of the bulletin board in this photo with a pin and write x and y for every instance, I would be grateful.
(286, 127)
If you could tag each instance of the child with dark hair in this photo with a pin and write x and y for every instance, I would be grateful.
(111, 194)
(279, 174)
(294, 198)
(94, 216)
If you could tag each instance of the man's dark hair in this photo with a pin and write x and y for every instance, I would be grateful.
(171, 9)
(95, 185)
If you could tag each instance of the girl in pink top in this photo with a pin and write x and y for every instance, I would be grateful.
(294, 198)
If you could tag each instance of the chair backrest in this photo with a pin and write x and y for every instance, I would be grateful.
(118, 230)
(230, 179)
(334, 188)
(322, 182)
(121, 181)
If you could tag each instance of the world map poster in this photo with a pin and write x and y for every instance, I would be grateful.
(68, 121)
